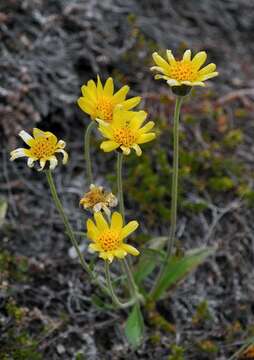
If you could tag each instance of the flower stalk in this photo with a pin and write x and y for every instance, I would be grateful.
(87, 154)
(174, 191)
(70, 231)
(131, 282)
(114, 297)
(174, 188)
(119, 168)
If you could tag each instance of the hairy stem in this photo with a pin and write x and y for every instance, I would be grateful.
(174, 192)
(120, 183)
(114, 297)
(70, 231)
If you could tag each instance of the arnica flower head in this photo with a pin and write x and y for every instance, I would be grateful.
(126, 131)
(100, 102)
(43, 147)
(107, 239)
(98, 199)
(184, 72)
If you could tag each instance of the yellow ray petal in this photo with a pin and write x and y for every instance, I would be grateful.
(53, 162)
(121, 116)
(199, 59)
(207, 69)
(99, 87)
(116, 221)
(130, 249)
(109, 145)
(138, 150)
(101, 223)
(131, 103)
(164, 77)
(94, 247)
(128, 229)
(138, 119)
(65, 155)
(157, 68)
(87, 106)
(37, 132)
(125, 150)
(208, 76)
(161, 63)
(173, 82)
(120, 253)
(147, 127)
(120, 95)
(109, 87)
(170, 57)
(19, 152)
(106, 131)
(187, 55)
(92, 231)
(144, 138)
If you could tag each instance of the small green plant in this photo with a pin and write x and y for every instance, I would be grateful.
(177, 353)
(202, 313)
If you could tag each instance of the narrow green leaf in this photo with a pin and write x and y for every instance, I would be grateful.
(151, 256)
(134, 327)
(148, 260)
(178, 268)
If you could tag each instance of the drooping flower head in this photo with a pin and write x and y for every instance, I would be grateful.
(126, 131)
(98, 199)
(184, 72)
(100, 102)
(107, 238)
(43, 147)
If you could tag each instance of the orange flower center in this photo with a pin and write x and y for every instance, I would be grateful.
(109, 240)
(183, 71)
(43, 147)
(105, 109)
(125, 136)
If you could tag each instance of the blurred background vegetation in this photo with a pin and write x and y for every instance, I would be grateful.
(48, 49)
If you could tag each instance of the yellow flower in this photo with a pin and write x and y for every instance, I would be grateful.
(107, 239)
(186, 71)
(99, 102)
(43, 147)
(98, 199)
(125, 131)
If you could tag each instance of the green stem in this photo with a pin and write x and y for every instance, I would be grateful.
(174, 191)
(114, 297)
(69, 230)
(174, 188)
(131, 282)
(120, 183)
(87, 151)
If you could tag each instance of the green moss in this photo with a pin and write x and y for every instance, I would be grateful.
(157, 320)
(221, 183)
(233, 138)
(80, 356)
(13, 268)
(202, 313)
(15, 311)
(20, 346)
(177, 353)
